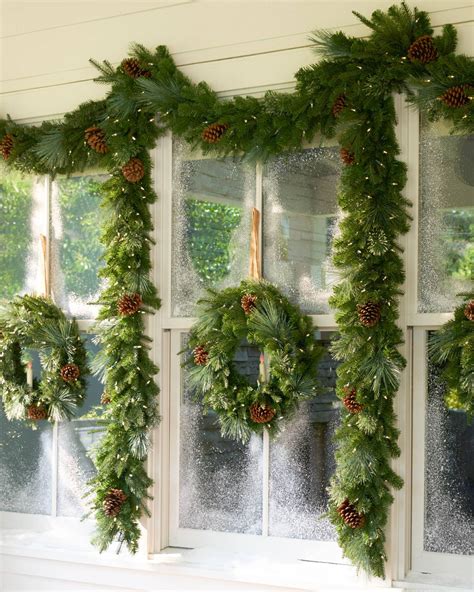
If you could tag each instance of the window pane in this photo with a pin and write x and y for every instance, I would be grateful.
(220, 481)
(300, 213)
(76, 248)
(211, 225)
(23, 204)
(449, 475)
(25, 463)
(446, 226)
(302, 462)
(75, 440)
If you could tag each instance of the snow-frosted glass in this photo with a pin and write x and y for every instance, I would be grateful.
(211, 225)
(302, 462)
(76, 250)
(220, 481)
(449, 475)
(446, 218)
(300, 221)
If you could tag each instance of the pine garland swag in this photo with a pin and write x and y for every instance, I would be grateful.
(366, 250)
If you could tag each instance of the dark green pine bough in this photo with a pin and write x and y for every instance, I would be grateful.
(347, 93)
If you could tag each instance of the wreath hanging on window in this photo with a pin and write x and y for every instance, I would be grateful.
(258, 314)
(36, 323)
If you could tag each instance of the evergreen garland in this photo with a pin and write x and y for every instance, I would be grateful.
(258, 314)
(36, 323)
(347, 93)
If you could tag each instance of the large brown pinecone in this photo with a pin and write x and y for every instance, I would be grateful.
(339, 104)
(214, 132)
(469, 310)
(70, 372)
(350, 515)
(201, 355)
(248, 302)
(6, 146)
(134, 170)
(113, 502)
(422, 50)
(36, 412)
(347, 156)
(129, 304)
(95, 138)
(132, 67)
(369, 313)
(261, 413)
(105, 398)
(350, 401)
(456, 96)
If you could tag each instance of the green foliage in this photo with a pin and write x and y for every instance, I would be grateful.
(36, 323)
(279, 330)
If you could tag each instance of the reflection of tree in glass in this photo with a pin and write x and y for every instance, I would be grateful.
(15, 207)
(459, 241)
(81, 250)
(209, 233)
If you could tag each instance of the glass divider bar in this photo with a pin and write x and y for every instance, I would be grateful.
(266, 483)
(54, 470)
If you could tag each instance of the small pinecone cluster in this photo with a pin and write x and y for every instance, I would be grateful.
(339, 104)
(369, 313)
(350, 515)
(105, 398)
(261, 413)
(347, 156)
(36, 412)
(113, 502)
(201, 356)
(6, 146)
(456, 96)
(95, 139)
(248, 302)
(129, 304)
(213, 133)
(132, 68)
(134, 170)
(350, 401)
(423, 50)
(70, 372)
(469, 310)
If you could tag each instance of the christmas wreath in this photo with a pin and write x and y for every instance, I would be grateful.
(256, 313)
(452, 349)
(33, 322)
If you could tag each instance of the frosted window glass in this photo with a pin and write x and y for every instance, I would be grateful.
(211, 225)
(76, 249)
(449, 475)
(300, 216)
(220, 481)
(302, 462)
(446, 226)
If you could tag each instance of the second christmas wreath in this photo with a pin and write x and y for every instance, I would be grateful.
(256, 313)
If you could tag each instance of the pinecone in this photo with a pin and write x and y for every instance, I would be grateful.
(469, 310)
(200, 355)
(113, 502)
(95, 138)
(369, 313)
(70, 372)
(347, 156)
(6, 146)
(134, 170)
(132, 67)
(350, 401)
(129, 304)
(248, 302)
(422, 50)
(456, 96)
(105, 398)
(36, 412)
(350, 515)
(261, 413)
(339, 105)
(214, 132)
